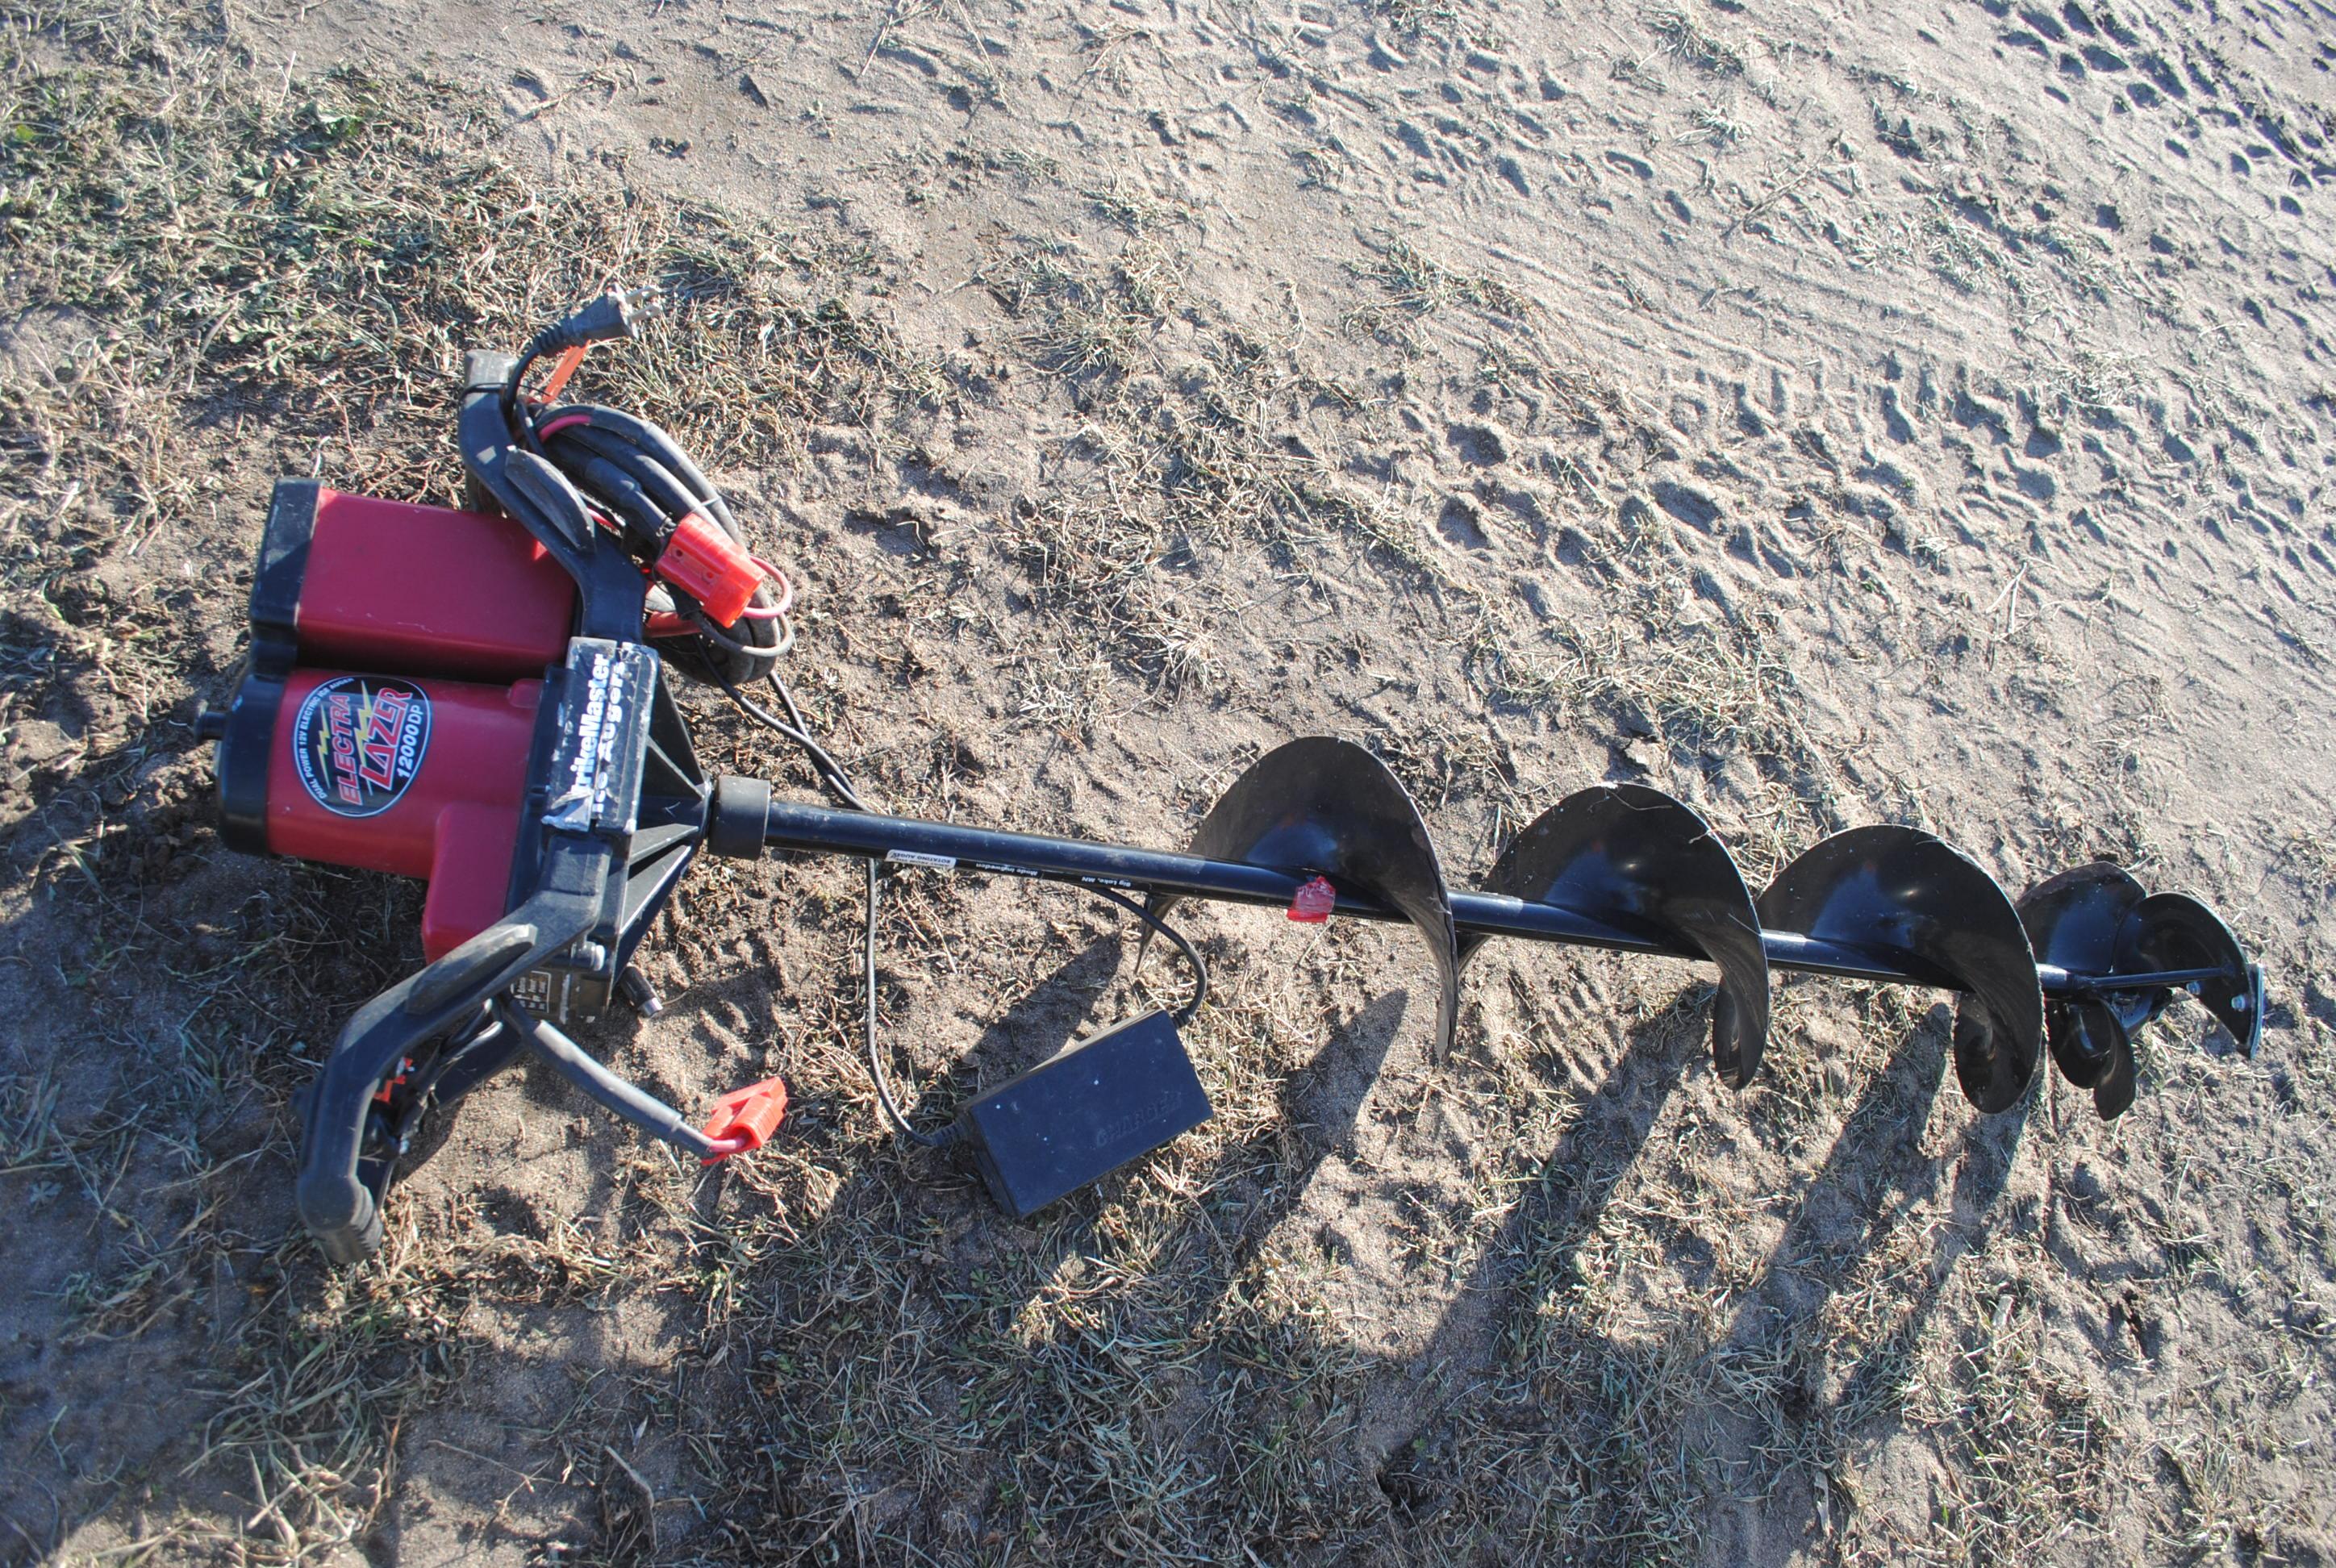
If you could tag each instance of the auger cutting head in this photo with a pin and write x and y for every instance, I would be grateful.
(2097, 920)
(479, 698)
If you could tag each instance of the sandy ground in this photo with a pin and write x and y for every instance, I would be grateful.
(1831, 415)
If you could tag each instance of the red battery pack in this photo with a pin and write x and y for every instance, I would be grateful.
(387, 712)
(407, 589)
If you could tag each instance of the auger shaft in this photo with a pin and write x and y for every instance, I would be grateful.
(805, 828)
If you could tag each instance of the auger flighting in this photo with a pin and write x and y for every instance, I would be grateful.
(2082, 960)
(480, 697)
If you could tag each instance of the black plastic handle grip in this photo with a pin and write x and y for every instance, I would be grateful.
(335, 1204)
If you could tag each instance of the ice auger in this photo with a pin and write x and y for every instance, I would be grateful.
(479, 697)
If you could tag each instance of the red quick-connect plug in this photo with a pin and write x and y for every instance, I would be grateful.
(704, 563)
(1313, 901)
(745, 1119)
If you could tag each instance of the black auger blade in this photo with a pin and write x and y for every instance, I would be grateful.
(1636, 859)
(2074, 919)
(1928, 910)
(1326, 807)
(2100, 925)
(2176, 931)
(1628, 868)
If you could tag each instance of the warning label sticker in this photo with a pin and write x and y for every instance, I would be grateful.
(920, 858)
(358, 740)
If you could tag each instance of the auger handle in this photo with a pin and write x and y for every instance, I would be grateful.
(335, 1203)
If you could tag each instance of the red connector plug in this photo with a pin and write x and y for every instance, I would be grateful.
(745, 1119)
(1312, 903)
(706, 563)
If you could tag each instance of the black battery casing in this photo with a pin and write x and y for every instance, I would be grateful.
(1083, 1113)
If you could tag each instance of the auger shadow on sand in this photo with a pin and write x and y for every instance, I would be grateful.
(1693, 1432)
(1520, 1364)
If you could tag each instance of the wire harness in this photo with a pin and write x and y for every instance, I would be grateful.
(715, 599)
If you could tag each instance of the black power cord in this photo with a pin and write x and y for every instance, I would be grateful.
(639, 482)
(946, 1135)
(830, 773)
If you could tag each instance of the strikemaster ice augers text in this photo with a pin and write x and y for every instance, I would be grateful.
(479, 698)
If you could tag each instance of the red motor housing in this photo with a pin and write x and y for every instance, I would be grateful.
(387, 715)
(420, 778)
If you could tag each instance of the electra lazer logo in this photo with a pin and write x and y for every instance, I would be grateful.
(358, 740)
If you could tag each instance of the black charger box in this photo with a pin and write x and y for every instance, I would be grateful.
(1083, 1113)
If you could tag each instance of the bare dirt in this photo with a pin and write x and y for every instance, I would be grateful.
(1829, 415)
